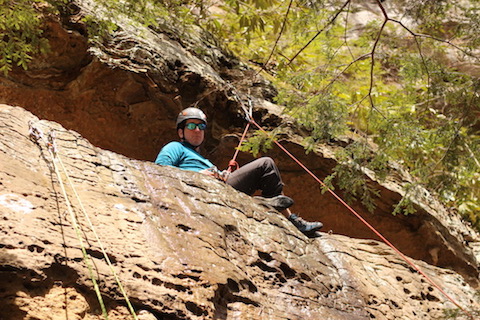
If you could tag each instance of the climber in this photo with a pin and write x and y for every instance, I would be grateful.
(260, 174)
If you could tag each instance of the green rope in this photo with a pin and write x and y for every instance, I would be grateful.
(130, 307)
(86, 257)
(38, 136)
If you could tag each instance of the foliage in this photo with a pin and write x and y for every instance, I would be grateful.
(21, 31)
(261, 141)
(387, 81)
(350, 174)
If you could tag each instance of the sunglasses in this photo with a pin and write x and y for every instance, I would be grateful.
(192, 126)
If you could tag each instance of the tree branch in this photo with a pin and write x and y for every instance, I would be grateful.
(319, 32)
(278, 38)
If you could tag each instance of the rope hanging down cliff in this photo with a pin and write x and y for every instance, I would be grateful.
(250, 120)
(37, 136)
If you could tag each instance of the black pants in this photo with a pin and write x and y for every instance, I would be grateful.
(260, 174)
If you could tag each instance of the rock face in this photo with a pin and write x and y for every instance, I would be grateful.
(123, 95)
(183, 245)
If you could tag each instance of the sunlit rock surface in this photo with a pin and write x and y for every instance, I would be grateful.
(124, 94)
(183, 245)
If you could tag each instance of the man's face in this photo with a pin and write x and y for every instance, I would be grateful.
(194, 137)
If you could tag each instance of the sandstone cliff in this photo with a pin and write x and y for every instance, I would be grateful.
(187, 247)
(183, 245)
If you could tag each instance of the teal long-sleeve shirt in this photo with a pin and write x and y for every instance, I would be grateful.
(182, 155)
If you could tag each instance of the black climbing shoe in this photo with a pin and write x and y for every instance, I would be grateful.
(279, 202)
(304, 226)
(313, 234)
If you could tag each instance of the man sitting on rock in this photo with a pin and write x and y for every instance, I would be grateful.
(260, 174)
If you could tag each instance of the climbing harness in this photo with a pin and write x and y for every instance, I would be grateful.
(38, 137)
(250, 120)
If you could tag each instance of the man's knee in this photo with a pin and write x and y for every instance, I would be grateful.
(268, 162)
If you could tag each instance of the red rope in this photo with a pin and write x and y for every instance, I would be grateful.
(232, 164)
(405, 258)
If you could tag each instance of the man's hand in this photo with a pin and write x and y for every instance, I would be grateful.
(217, 174)
(208, 172)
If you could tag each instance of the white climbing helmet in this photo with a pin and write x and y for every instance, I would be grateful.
(191, 113)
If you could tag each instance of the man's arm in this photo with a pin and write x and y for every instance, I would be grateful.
(170, 155)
